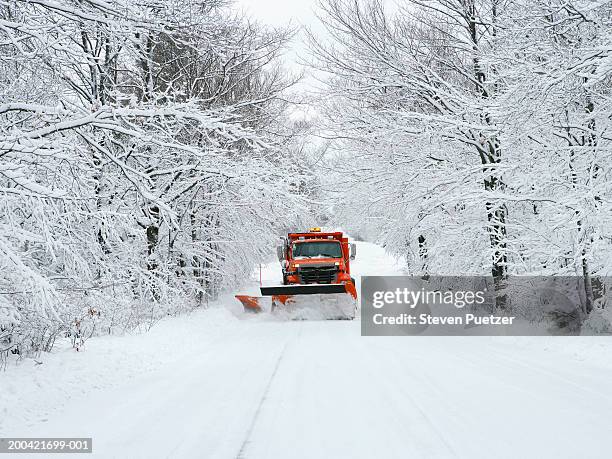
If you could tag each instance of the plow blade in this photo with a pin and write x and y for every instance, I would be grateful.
(308, 289)
(250, 303)
(304, 302)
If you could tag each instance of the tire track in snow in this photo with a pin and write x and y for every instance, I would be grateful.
(264, 396)
(380, 361)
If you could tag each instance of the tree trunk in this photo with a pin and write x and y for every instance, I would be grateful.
(490, 156)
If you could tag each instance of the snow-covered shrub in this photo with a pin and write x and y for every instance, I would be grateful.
(599, 321)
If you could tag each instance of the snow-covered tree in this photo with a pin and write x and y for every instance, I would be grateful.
(472, 136)
(140, 171)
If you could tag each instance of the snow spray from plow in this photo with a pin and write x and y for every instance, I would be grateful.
(317, 282)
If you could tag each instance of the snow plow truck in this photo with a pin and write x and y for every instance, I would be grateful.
(317, 282)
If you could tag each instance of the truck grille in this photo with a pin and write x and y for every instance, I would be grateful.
(318, 274)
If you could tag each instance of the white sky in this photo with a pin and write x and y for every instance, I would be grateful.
(282, 13)
(300, 13)
(279, 12)
(295, 13)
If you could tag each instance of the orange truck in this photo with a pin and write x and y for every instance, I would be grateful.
(316, 277)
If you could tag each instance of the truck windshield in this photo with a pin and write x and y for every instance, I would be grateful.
(317, 249)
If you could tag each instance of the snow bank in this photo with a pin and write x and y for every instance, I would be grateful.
(31, 389)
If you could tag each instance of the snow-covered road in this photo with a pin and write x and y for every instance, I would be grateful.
(214, 385)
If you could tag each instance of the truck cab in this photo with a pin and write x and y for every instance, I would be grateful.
(316, 257)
